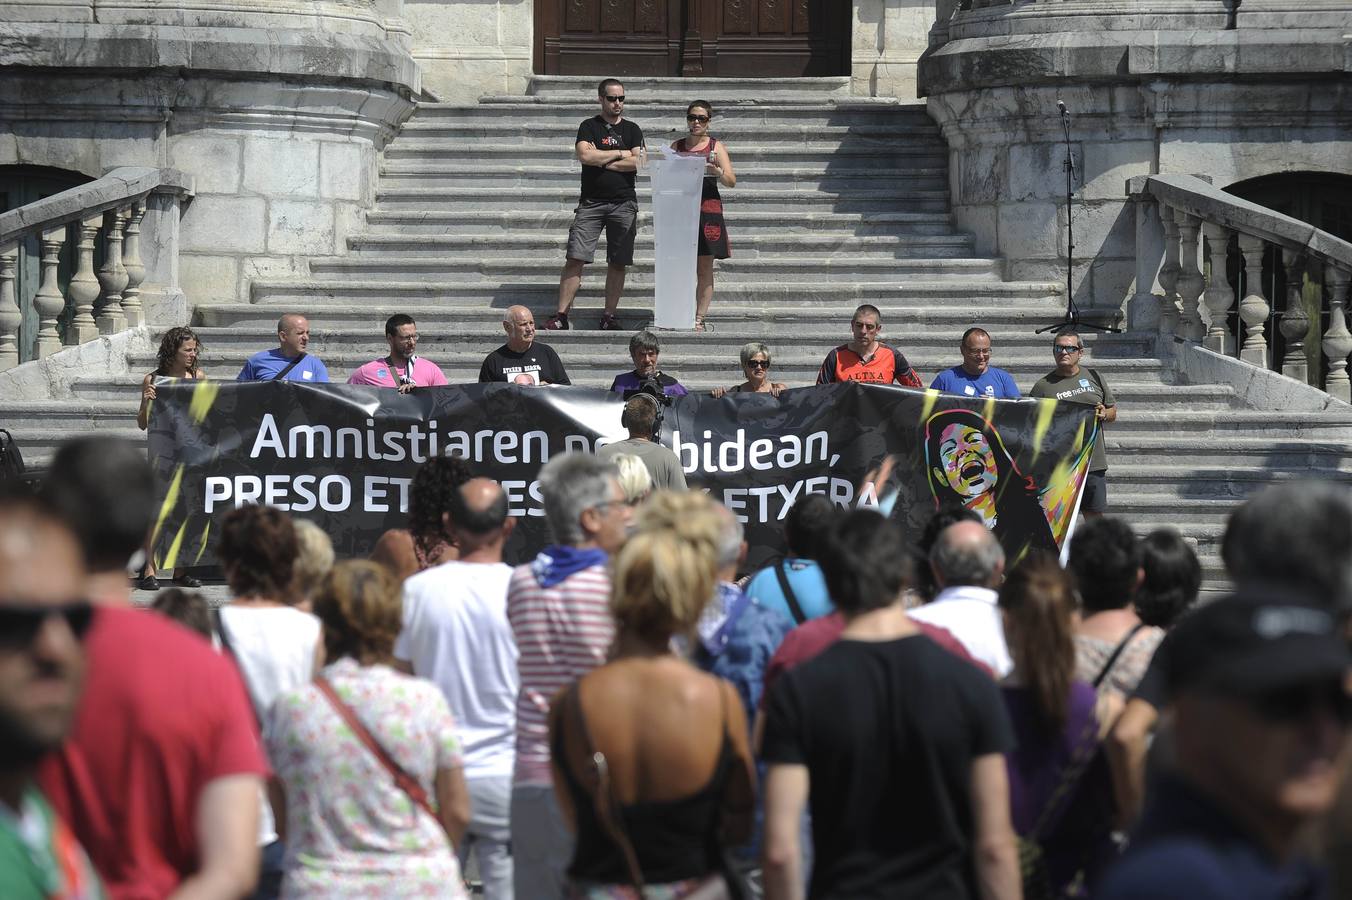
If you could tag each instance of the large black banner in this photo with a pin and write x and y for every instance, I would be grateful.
(345, 456)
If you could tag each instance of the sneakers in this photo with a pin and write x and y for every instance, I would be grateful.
(609, 323)
(557, 322)
(146, 583)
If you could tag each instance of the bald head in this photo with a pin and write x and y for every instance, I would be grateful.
(293, 334)
(477, 517)
(519, 323)
(966, 553)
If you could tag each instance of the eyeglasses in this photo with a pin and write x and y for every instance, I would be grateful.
(605, 505)
(694, 118)
(615, 98)
(19, 625)
(1295, 704)
(758, 364)
(1064, 350)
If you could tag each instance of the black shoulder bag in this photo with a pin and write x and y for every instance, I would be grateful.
(781, 572)
(289, 366)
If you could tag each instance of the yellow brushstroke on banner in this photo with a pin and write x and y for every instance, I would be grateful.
(1079, 438)
(1063, 485)
(202, 546)
(931, 397)
(1046, 407)
(170, 498)
(203, 398)
(988, 410)
(171, 558)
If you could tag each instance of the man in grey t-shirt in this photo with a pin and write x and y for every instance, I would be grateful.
(1075, 383)
(640, 416)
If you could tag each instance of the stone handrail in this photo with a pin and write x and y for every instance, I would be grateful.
(113, 209)
(1195, 304)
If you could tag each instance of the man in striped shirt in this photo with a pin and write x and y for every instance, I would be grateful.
(558, 607)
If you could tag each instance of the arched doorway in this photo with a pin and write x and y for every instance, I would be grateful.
(723, 38)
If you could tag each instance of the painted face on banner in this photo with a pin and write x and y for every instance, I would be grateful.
(967, 461)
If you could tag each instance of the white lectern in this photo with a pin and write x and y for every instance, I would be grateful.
(676, 185)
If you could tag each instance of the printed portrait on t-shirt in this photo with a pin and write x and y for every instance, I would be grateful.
(966, 463)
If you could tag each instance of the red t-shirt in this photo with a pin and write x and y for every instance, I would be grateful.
(811, 638)
(885, 366)
(162, 715)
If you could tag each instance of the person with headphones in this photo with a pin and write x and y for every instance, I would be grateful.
(642, 416)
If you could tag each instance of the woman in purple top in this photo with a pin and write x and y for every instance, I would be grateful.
(1059, 786)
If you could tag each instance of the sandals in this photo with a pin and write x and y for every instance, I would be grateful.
(187, 581)
(557, 322)
(146, 583)
(609, 323)
(702, 324)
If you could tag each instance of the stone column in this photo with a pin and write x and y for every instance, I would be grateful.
(1337, 339)
(48, 300)
(1254, 308)
(1219, 294)
(1190, 281)
(113, 275)
(1169, 274)
(84, 284)
(10, 316)
(1144, 307)
(131, 261)
(1295, 323)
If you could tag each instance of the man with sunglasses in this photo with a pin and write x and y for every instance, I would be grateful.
(1075, 383)
(1260, 733)
(608, 146)
(41, 670)
(865, 358)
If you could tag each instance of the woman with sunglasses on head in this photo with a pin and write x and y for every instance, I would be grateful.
(713, 235)
(756, 365)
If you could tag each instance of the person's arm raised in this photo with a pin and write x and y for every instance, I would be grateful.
(227, 838)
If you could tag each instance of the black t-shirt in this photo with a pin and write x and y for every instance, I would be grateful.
(605, 184)
(888, 732)
(539, 363)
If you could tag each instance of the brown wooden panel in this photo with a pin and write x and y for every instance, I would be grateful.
(802, 19)
(607, 37)
(580, 15)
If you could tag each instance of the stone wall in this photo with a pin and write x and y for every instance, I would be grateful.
(466, 50)
(277, 111)
(889, 37)
(1149, 92)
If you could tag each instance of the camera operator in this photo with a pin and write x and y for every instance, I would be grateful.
(643, 417)
(644, 348)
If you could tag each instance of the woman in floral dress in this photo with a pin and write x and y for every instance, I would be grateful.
(351, 831)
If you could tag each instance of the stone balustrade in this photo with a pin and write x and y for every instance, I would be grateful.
(1200, 264)
(129, 219)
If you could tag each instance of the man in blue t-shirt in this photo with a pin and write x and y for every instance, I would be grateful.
(976, 377)
(807, 524)
(288, 361)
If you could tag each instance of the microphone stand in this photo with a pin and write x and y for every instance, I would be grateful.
(1072, 318)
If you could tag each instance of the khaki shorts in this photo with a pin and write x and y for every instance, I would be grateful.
(620, 219)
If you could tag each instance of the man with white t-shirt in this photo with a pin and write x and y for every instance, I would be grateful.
(456, 634)
(968, 563)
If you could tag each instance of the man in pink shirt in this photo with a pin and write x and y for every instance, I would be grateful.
(402, 369)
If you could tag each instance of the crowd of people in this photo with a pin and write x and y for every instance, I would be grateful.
(631, 714)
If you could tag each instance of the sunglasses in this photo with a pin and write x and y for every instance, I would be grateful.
(1299, 703)
(615, 98)
(1063, 351)
(694, 118)
(19, 625)
(758, 364)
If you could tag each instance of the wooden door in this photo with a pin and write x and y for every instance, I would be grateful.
(723, 38)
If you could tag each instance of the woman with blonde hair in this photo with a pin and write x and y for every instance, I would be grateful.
(362, 752)
(635, 480)
(651, 758)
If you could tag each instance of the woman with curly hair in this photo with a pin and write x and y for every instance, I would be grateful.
(423, 544)
(177, 356)
(370, 764)
(650, 755)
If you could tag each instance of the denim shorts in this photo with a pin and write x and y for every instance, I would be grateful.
(620, 219)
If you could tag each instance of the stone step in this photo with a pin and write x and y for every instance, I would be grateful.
(565, 173)
(1190, 453)
(710, 88)
(745, 157)
(537, 268)
(554, 197)
(638, 294)
(667, 112)
(746, 246)
(823, 138)
(747, 221)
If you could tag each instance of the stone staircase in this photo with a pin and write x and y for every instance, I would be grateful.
(840, 200)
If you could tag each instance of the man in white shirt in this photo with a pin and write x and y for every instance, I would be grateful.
(456, 634)
(968, 564)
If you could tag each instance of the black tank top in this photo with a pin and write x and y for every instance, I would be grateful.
(673, 839)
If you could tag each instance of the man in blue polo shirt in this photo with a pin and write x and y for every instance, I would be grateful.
(288, 361)
(976, 377)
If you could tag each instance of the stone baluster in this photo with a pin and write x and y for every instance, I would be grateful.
(48, 300)
(1337, 339)
(1169, 273)
(10, 316)
(1219, 295)
(1254, 308)
(1190, 280)
(136, 270)
(84, 284)
(1295, 322)
(113, 275)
